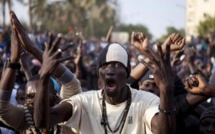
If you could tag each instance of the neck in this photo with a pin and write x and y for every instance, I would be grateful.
(119, 98)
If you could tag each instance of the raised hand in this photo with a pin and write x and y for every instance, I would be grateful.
(190, 54)
(22, 34)
(107, 39)
(178, 58)
(161, 67)
(139, 41)
(177, 42)
(52, 56)
(15, 43)
(79, 51)
(196, 84)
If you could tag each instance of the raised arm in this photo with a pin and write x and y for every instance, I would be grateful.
(6, 86)
(197, 85)
(164, 78)
(31, 48)
(140, 41)
(79, 57)
(45, 117)
(63, 74)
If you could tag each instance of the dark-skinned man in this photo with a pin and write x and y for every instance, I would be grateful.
(117, 108)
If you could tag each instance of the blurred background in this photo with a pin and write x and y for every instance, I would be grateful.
(94, 17)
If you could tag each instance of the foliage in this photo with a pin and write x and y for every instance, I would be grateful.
(87, 16)
(207, 26)
(137, 28)
(169, 31)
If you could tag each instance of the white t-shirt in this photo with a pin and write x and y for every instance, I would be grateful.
(87, 113)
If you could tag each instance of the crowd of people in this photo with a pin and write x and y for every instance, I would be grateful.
(55, 83)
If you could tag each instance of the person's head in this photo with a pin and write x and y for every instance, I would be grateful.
(207, 121)
(31, 89)
(148, 84)
(113, 68)
(20, 94)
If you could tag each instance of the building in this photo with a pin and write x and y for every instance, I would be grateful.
(197, 11)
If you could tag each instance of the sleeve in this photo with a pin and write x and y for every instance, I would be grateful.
(75, 119)
(12, 116)
(151, 111)
(71, 88)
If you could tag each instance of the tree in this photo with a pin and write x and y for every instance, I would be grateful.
(3, 4)
(171, 30)
(92, 17)
(137, 28)
(207, 26)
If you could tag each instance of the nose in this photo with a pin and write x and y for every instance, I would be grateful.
(110, 69)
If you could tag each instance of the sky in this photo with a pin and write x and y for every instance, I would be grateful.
(156, 15)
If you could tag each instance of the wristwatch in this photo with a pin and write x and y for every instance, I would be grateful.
(11, 65)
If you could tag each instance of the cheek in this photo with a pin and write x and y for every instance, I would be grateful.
(101, 77)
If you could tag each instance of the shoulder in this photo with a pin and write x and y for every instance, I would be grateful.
(86, 96)
(142, 95)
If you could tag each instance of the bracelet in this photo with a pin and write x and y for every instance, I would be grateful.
(167, 112)
(12, 65)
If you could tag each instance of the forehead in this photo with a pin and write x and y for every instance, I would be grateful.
(31, 87)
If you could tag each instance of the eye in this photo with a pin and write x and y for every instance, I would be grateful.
(104, 66)
(118, 65)
(205, 123)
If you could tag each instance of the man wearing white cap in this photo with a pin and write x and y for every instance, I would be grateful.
(116, 108)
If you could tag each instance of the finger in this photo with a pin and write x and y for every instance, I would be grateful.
(150, 54)
(56, 42)
(132, 37)
(142, 36)
(46, 47)
(51, 38)
(13, 15)
(160, 51)
(146, 64)
(135, 36)
(175, 37)
(65, 59)
(167, 55)
(64, 48)
(182, 43)
(187, 86)
(178, 40)
(190, 81)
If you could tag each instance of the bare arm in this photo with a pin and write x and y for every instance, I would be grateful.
(29, 46)
(79, 57)
(46, 117)
(6, 86)
(164, 78)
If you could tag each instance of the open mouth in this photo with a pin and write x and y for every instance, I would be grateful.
(111, 84)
